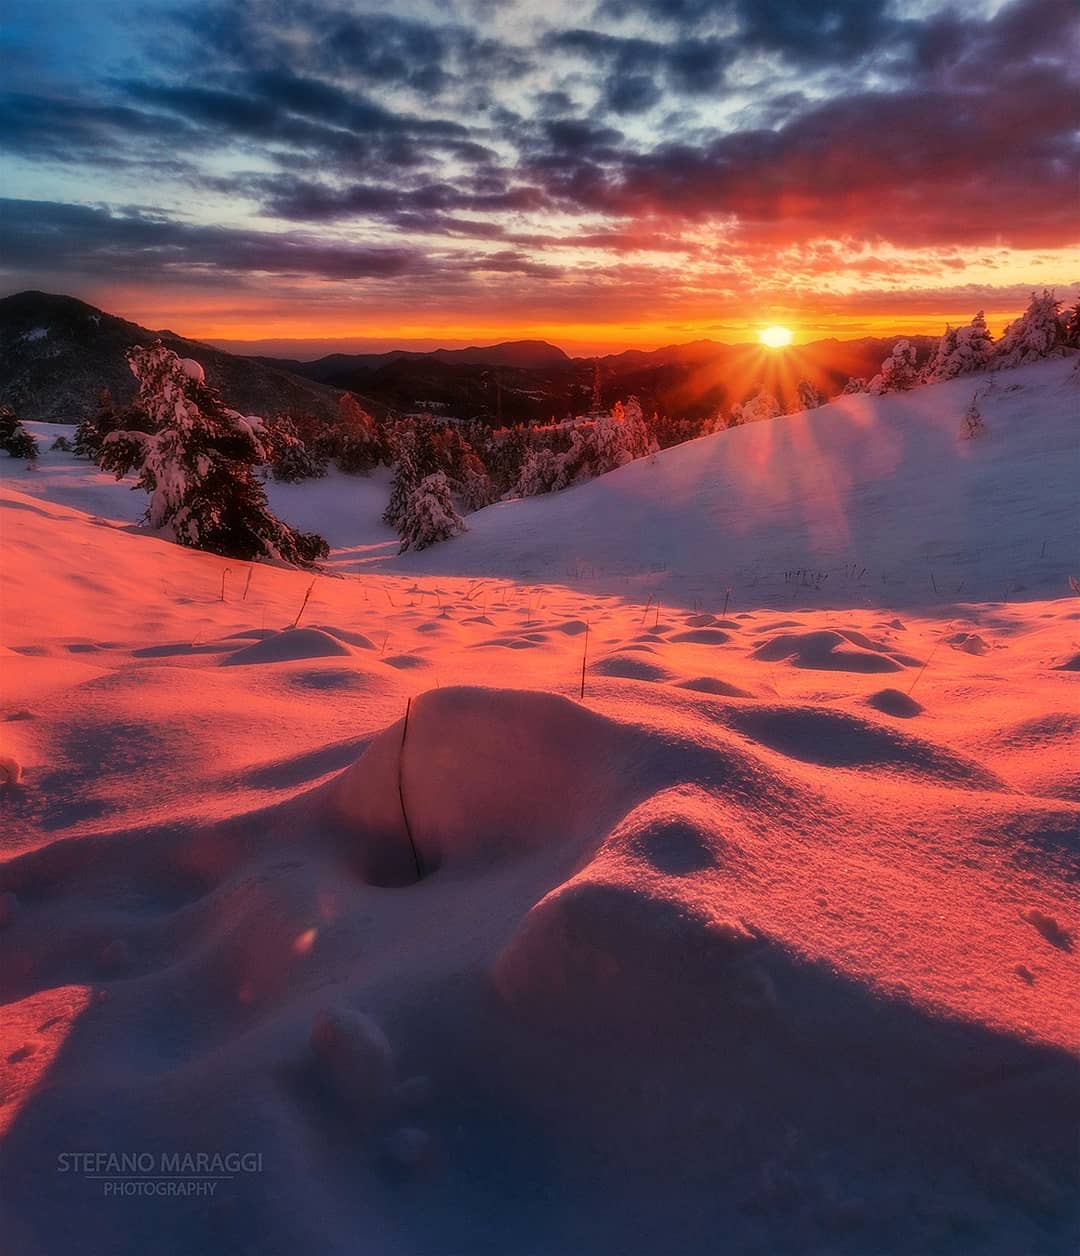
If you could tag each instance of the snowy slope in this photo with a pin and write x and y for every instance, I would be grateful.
(868, 501)
(878, 494)
(766, 944)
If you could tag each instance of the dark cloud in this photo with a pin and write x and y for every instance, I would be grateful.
(950, 129)
(48, 236)
(808, 33)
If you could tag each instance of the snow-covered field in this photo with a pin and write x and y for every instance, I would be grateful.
(767, 944)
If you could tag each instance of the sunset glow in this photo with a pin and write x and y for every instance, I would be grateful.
(606, 176)
(775, 337)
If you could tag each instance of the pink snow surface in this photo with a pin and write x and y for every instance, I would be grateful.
(764, 945)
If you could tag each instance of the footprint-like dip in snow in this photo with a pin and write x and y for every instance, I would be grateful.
(405, 662)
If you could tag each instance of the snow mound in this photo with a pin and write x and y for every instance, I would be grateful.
(596, 956)
(626, 667)
(702, 636)
(465, 777)
(838, 740)
(827, 650)
(969, 643)
(288, 646)
(713, 685)
(356, 1058)
(357, 639)
(896, 703)
(193, 370)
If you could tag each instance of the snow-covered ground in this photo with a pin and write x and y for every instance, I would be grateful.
(766, 944)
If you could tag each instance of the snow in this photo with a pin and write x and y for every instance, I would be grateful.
(588, 883)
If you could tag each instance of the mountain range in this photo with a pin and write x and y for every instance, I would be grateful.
(57, 353)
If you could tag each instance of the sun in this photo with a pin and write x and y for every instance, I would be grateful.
(775, 337)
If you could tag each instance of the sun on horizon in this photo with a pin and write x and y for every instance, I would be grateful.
(775, 337)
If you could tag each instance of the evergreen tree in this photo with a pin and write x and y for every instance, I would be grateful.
(290, 459)
(1037, 333)
(405, 479)
(359, 447)
(897, 372)
(973, 423)
(199, 466)
(762, 405)
(541, 472)
(808, 395)
(960, 352)
(109, 417)
(14, 438)
(1072, 327)
(856, 384)
(429, 514)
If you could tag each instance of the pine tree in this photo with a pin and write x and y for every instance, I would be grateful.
(109, 417)
(809, 397)
(541, 471)
(199, 466)
(762, 405)
(405, 479)
(856, 384)
(897, 372)
(14, 438)
(429, 514)
(289, 457)
(960, 351)
(1038, 333)
(359, 447)
(973, 423)
(1072, 327)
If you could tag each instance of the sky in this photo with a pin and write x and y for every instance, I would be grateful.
(597, 173)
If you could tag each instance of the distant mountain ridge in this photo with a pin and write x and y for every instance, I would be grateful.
(57, 353)
(690, 380)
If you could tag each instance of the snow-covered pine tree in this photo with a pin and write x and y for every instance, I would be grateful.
(541, 471)
(808, 396)
(897, 372)
(359, 447)
(476, 488)
(1038, 333)
(14, 438)
(762, 405)
(1072, 327)
(290, 459)
(856, 384)
(429, 515)
(960, 351)
(406, 478)
(199, 466)
(109, 417)
(639, 438)
(973, 423)
(609, 441)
